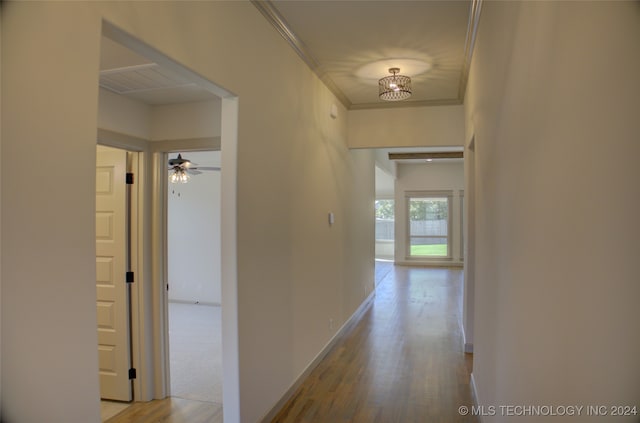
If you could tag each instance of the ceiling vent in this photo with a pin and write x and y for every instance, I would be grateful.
(139, 78)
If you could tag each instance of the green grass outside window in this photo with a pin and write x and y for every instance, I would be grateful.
(434, 250)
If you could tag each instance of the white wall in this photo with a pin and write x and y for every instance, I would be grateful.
(385, 183)
(406, 127)
(120, 114)
(294, 271)
(0, 218)
(383, 162)
(50, 223)
(193, 226)
(434, 176)
(553, 103)
(186, 120)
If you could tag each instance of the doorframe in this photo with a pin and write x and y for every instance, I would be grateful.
(164, 149)
(468, 309)
(227, 144)
(152, 319)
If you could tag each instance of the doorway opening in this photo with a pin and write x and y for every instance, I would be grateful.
(194, 280)
(153, 128)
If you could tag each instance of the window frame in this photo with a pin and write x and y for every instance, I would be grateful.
(409, 195)
(461, 225)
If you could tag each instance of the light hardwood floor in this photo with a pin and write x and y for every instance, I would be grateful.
(403, 362)
(170, 410)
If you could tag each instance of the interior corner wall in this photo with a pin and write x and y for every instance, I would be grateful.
(199, 119)
(428, 126)
(0, 214)
(180, 121)
(294, 270)
(122, 115)
(428, 177)
(384, 184)
(557, 204)
(359, 200)
(469, 247)
(383, 162)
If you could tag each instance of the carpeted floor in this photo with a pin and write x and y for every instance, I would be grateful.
(195, 352)
(196, 347)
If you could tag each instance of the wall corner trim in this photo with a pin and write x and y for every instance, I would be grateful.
(346, 327)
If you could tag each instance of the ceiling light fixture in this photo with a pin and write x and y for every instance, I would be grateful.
(179, 175)
(395, 87)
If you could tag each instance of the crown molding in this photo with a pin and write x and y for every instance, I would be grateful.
(404, 104)
(274, 17)
(472, 31)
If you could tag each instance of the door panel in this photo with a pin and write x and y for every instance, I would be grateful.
(112, 301)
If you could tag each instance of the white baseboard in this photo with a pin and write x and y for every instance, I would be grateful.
(450, 264)
(352, 321)
(468, 346)
(474, 395)
(195, 303)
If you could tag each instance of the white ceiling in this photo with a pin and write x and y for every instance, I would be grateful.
(350, 44)
(134, 76)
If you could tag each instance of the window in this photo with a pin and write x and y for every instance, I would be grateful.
(461, 225)
(384, 220)
(429, 217)
(385, 234)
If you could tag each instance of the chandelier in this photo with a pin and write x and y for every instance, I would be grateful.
(395, 87)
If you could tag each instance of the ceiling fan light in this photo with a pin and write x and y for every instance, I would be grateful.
(395, 87)
(179, 176)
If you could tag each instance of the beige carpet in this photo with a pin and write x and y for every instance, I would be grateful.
(196, 347)
(195, 352)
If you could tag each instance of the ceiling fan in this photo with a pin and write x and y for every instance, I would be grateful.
(180, 169)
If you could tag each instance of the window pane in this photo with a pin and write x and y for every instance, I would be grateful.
(384, 209)
(429, 216)
(384, 220)
(385, 239)
(434, 247)
(429, 226)
(461, 227)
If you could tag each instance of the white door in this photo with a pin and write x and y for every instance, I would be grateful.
(112, 299)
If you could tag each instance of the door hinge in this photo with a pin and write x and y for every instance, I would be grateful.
(129, 278)
(129, 178)
(132, 373)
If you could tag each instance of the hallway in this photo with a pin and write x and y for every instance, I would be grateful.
(403, 362)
